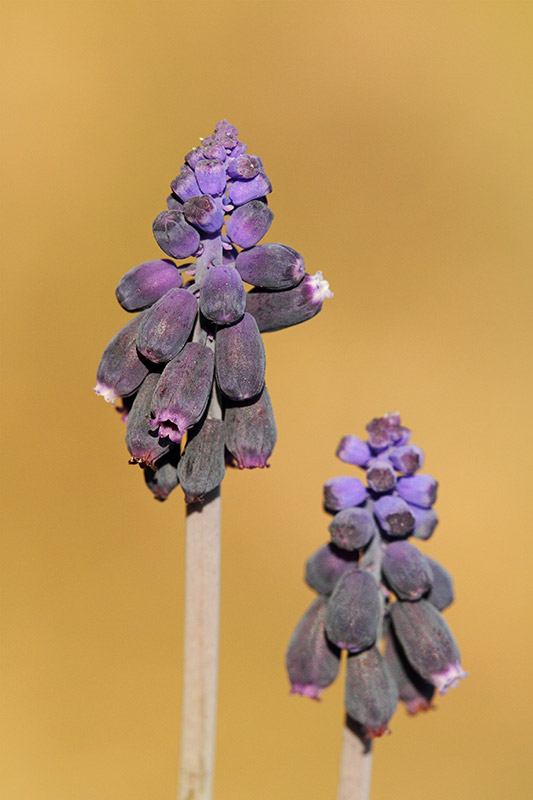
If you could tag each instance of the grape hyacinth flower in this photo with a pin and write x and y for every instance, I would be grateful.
(374, 584)
(196, 342)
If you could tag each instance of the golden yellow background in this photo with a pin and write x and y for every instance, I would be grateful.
(397, 136)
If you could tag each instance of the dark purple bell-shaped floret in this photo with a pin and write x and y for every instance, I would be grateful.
(414, 691)
(204, 213)
(185, 184)
(353, 450)
(441, 594)
(271, 266)
(354, 611)
(121, 371)
(394, 515)
(407, 459)
(222, 296)
(312, 661)
(146, 283)
(380, 475)
(276, 310)
(251, 431)
(419, 490)
(406, 570)
(426, 521)
(167, 325)
(371, 695)
(143, 444)
(182, 393)
(240, 360)
(201, 468)
(163, 479)
(248, 224)
(326, 565)
(174, 235)
(241, 192)
(342, 492)
(428, 643)
(211, 176)
(352, 528)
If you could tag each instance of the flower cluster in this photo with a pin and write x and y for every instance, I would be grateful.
(366, 563)
(192, 360)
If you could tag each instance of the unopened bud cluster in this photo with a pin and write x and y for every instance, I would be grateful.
(375, 586)
(192, 360)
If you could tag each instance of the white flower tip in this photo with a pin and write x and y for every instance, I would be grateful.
(448, 678)
(321, 290)
(106, 392)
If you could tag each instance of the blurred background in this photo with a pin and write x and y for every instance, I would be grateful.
(397, 136)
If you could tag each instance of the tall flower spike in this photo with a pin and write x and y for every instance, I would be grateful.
(373, 582)
(203, 336)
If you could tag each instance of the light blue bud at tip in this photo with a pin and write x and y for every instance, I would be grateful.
(353, 450)
(312, 661)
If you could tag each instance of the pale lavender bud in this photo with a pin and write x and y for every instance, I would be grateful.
(244, 167)
(406, 570)
(353, 450)
(182, 393)
(241, 192)
(251, 431)
(371, 695)
(441, 594)
(204, 213)
(342, 492)
(213, 149)
(146, 283)
(211, 176)
(276, 310)
(426, 521)
(415, 692)
(164, 479)
(248, 224)
(271, 266)
(394, 515)
(380, 475)
(312, 661)
(324, 568)
(240, 360)
(143, 444)
(167, 325)
(352, 528)
(121, 371)
(185, 184)
(194, 156)
(407, 458)
(201, 467)
(174, 203)
(419, 490)
(428, 643)
(354, 611)
(174, 235)
(222, 296)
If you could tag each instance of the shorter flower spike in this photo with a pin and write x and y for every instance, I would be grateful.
(146, 283)
(352, 528)
(312, 661)
(324, 568)
(182, 393)
(371, 695)
(419, 490)
(415, 692)
(201, 468)
(249, 223)
(143, 444)
(251, 431)
(406, 570)
(353, 450)
(441, 593)
(240, 360)
(394, 515)
(164, 478)
(428, 643)
(222, 296)
(271, 266)
(342, 492)
(276, 310)
(354, 611)
(121, 371)
(174, 235)
(167, 325)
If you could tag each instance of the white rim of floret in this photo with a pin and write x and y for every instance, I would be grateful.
(320, 288)
(106, 392)
(449, 678)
